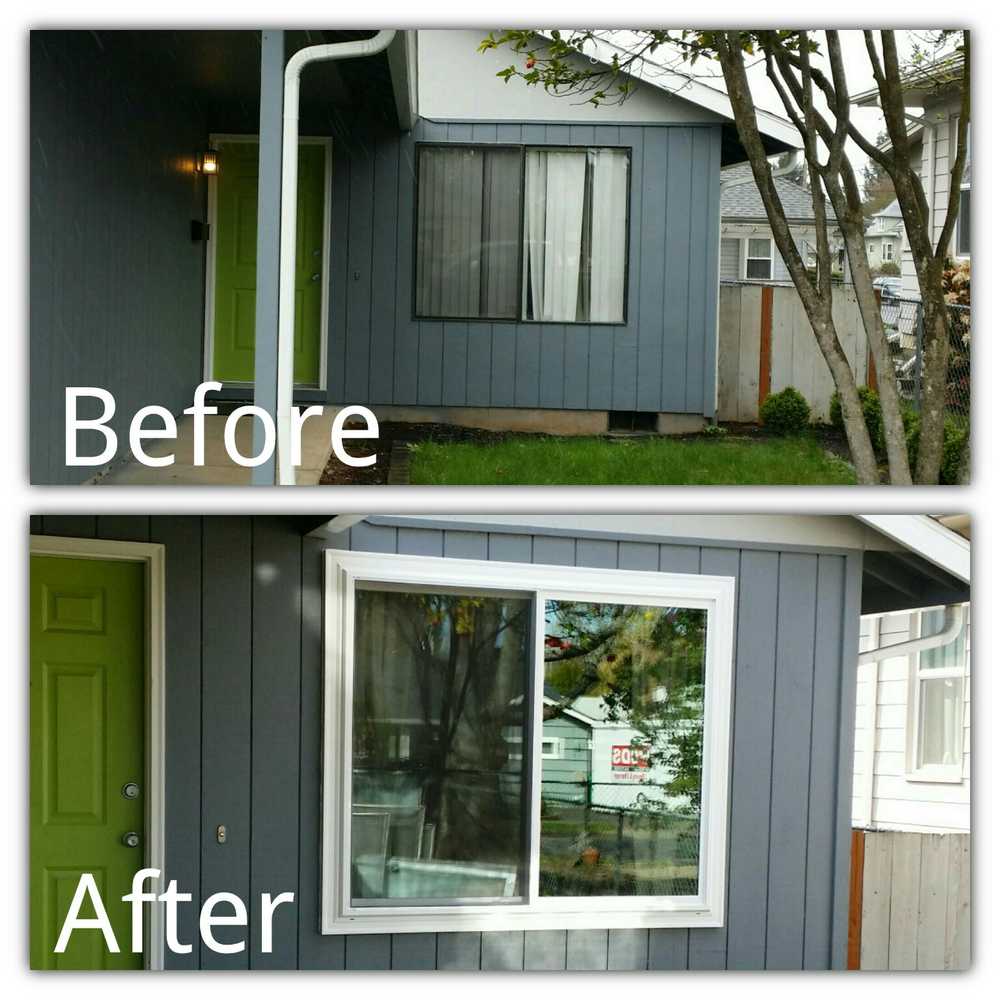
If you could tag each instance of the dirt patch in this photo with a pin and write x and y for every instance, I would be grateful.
(391, 433)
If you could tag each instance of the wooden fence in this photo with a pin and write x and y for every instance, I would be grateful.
(910, 901)
(766, 344)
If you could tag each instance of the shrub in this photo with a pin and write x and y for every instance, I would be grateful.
(956, 434)
(785, 412)
(714, 430)
(871, 407)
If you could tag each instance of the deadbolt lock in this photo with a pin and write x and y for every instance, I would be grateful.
(130, 790)
(130, 839)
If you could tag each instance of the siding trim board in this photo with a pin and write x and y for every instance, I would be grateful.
(225, 673)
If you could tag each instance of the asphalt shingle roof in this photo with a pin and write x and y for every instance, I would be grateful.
(742, 200)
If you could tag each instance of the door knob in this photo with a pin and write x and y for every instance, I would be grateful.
(130, 839)
(130, 790)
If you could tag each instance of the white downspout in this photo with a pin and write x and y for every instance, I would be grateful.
(954, 619)
(289, 197)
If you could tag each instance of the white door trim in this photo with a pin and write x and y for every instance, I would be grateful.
(214, 140)
(153, 558)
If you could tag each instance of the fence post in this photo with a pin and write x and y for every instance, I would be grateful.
(764, 370)
(856, 894)
(918, 365)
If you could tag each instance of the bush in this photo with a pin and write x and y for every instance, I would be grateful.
(871, 407)
(956, 433)
(785, 412)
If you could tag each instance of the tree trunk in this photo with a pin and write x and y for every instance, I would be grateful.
(818, 307)
(885, 373)
(933, 388)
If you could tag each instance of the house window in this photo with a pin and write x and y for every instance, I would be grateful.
(936, 716)
(758, 259)
(488, 820)
(887, 251)
(871, 248)
(512, 233)
(963, 231)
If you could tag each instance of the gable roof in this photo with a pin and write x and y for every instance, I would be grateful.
(778, 134)
(740, 198)
(921, 82)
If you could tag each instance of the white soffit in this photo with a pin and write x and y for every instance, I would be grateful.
(927, 538)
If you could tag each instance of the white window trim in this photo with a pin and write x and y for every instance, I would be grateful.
(960, 255)
(747, 258)
(558, 748)
(715, 594)
(938, 773)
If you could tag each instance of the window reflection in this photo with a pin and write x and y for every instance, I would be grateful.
(621, 749)
(439, 789)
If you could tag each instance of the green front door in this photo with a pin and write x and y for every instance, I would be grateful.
(87, 785)
(235, 238)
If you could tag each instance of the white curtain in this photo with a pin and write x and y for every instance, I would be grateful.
(607, 245)
(554, 216)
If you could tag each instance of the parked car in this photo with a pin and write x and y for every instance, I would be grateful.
(889, 285)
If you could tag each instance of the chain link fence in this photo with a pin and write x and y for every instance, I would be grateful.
(620, 838)
(904, 326)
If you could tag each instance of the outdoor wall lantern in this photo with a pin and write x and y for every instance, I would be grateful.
(209, 162)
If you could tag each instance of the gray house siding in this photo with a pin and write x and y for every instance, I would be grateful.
(244, 736)
(115, 280)
(661, 359)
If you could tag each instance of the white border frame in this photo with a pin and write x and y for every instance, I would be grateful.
(937, 773)
(152, 556)
(216, 139)
(715, 594)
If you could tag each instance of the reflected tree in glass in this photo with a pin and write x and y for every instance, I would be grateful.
(624, 718)
(438, 789)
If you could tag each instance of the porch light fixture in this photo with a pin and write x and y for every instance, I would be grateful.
(208, 162)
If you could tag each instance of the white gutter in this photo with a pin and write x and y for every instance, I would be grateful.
(289, 197)
(954, 618)
(336, 525)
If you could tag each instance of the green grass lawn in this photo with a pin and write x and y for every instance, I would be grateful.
(650, 461)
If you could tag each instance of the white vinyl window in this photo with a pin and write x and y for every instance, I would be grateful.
(935, 736)
(491, 820)
(759, 259)
(887, 251)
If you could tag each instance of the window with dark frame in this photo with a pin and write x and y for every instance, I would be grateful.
(537, 234)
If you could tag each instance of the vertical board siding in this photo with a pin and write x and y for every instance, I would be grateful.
(380, 354)
(245, 736)
(115, 282)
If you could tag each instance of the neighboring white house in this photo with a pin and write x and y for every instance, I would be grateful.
(748, 251)
(912, 745)
(912, 734)
(884, 236)
(934, 96)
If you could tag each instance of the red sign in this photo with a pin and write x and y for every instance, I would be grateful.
(625, 757)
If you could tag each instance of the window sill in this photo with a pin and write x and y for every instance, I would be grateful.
(936, 776)
(510, 920)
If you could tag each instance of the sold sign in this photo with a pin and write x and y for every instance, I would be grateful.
(624, 757)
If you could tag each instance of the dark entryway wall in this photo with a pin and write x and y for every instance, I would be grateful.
(244, 737)
(663, 359)
(116, 282)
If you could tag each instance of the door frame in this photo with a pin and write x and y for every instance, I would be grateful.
(214, 140)
(152, 556)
